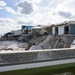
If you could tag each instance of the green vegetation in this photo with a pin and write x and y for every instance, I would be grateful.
(57, 69)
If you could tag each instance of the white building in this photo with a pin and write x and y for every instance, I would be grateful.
(27, 29)
(58, 30)
(16, 33)
(39, 30)
(33, 29)
(64, 28)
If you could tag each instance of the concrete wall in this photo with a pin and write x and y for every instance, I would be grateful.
(42, 31)
(72, 29)
(60, 30)
(18, 32)
(39, 31)
(35, 56)
(53, 30)
(33, 59)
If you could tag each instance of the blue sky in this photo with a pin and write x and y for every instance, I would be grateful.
(15, 13)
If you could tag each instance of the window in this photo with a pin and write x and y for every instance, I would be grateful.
(66, 29)
(29, 30)
(56, 30)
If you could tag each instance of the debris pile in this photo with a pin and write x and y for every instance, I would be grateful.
(36, 47)
(39, 43)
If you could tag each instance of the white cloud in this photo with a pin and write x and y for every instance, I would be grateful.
(51, 2)
(68, 1)
(7, 24)
(33, 12)
(9, 9)
(24, 22)
(55, 11)
(2, 3)
(36, 1)
(0, 8)
(70, 5)
(33, 1)
(25, 7)
(65, 14)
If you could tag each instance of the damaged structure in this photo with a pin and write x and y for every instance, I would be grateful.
(64, 28)
(26, 29)
(33, 30)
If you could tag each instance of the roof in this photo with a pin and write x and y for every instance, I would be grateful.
(36, 27)
(31, 26)
(23, 27)
(71, 22)
(65, 23)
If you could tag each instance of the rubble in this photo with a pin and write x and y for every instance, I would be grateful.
(53, 42)
(39, 43)
(12, 46)
(36, 47)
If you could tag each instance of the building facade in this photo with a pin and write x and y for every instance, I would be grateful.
(67, 28)
(26, 29)
(33, 30)
(16, 33)
(39, 30)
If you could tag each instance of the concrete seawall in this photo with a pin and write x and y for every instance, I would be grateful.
(33, 59)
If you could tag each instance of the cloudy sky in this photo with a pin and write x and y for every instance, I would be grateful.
(14, 13)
